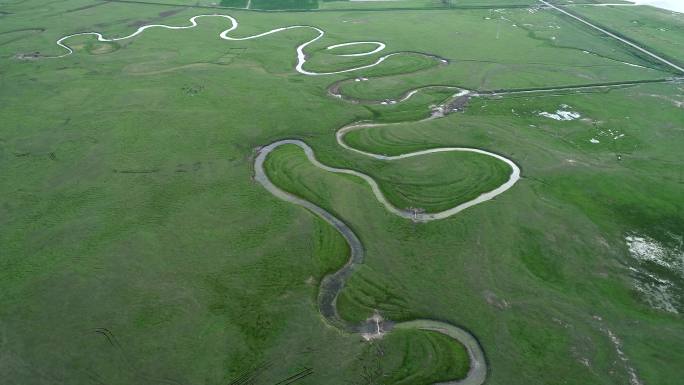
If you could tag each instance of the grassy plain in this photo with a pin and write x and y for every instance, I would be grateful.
(430, 183)
(661, 31)
(136, 248)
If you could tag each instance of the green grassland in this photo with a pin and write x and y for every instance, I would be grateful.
(662, 31)
(431, 183)
(419, 363)
(135, 247)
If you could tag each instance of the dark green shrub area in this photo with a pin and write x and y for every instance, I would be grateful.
(234, 3)
(284, 4)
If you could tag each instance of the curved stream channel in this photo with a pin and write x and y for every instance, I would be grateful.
(331, 285)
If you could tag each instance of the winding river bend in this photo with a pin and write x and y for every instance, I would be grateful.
(331, 285)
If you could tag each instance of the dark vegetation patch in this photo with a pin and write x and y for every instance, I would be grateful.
(542, 262)
(150, 171)
(284, 4)
(139, 23)
(19, 34)
(192, 90)
(170, 12)
(86, 7)
(234, 3)
(231, 55)
(153, 20)
(412, 357)
(101, 47)
(366, 293)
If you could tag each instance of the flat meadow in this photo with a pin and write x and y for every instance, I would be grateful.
(136, 247)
